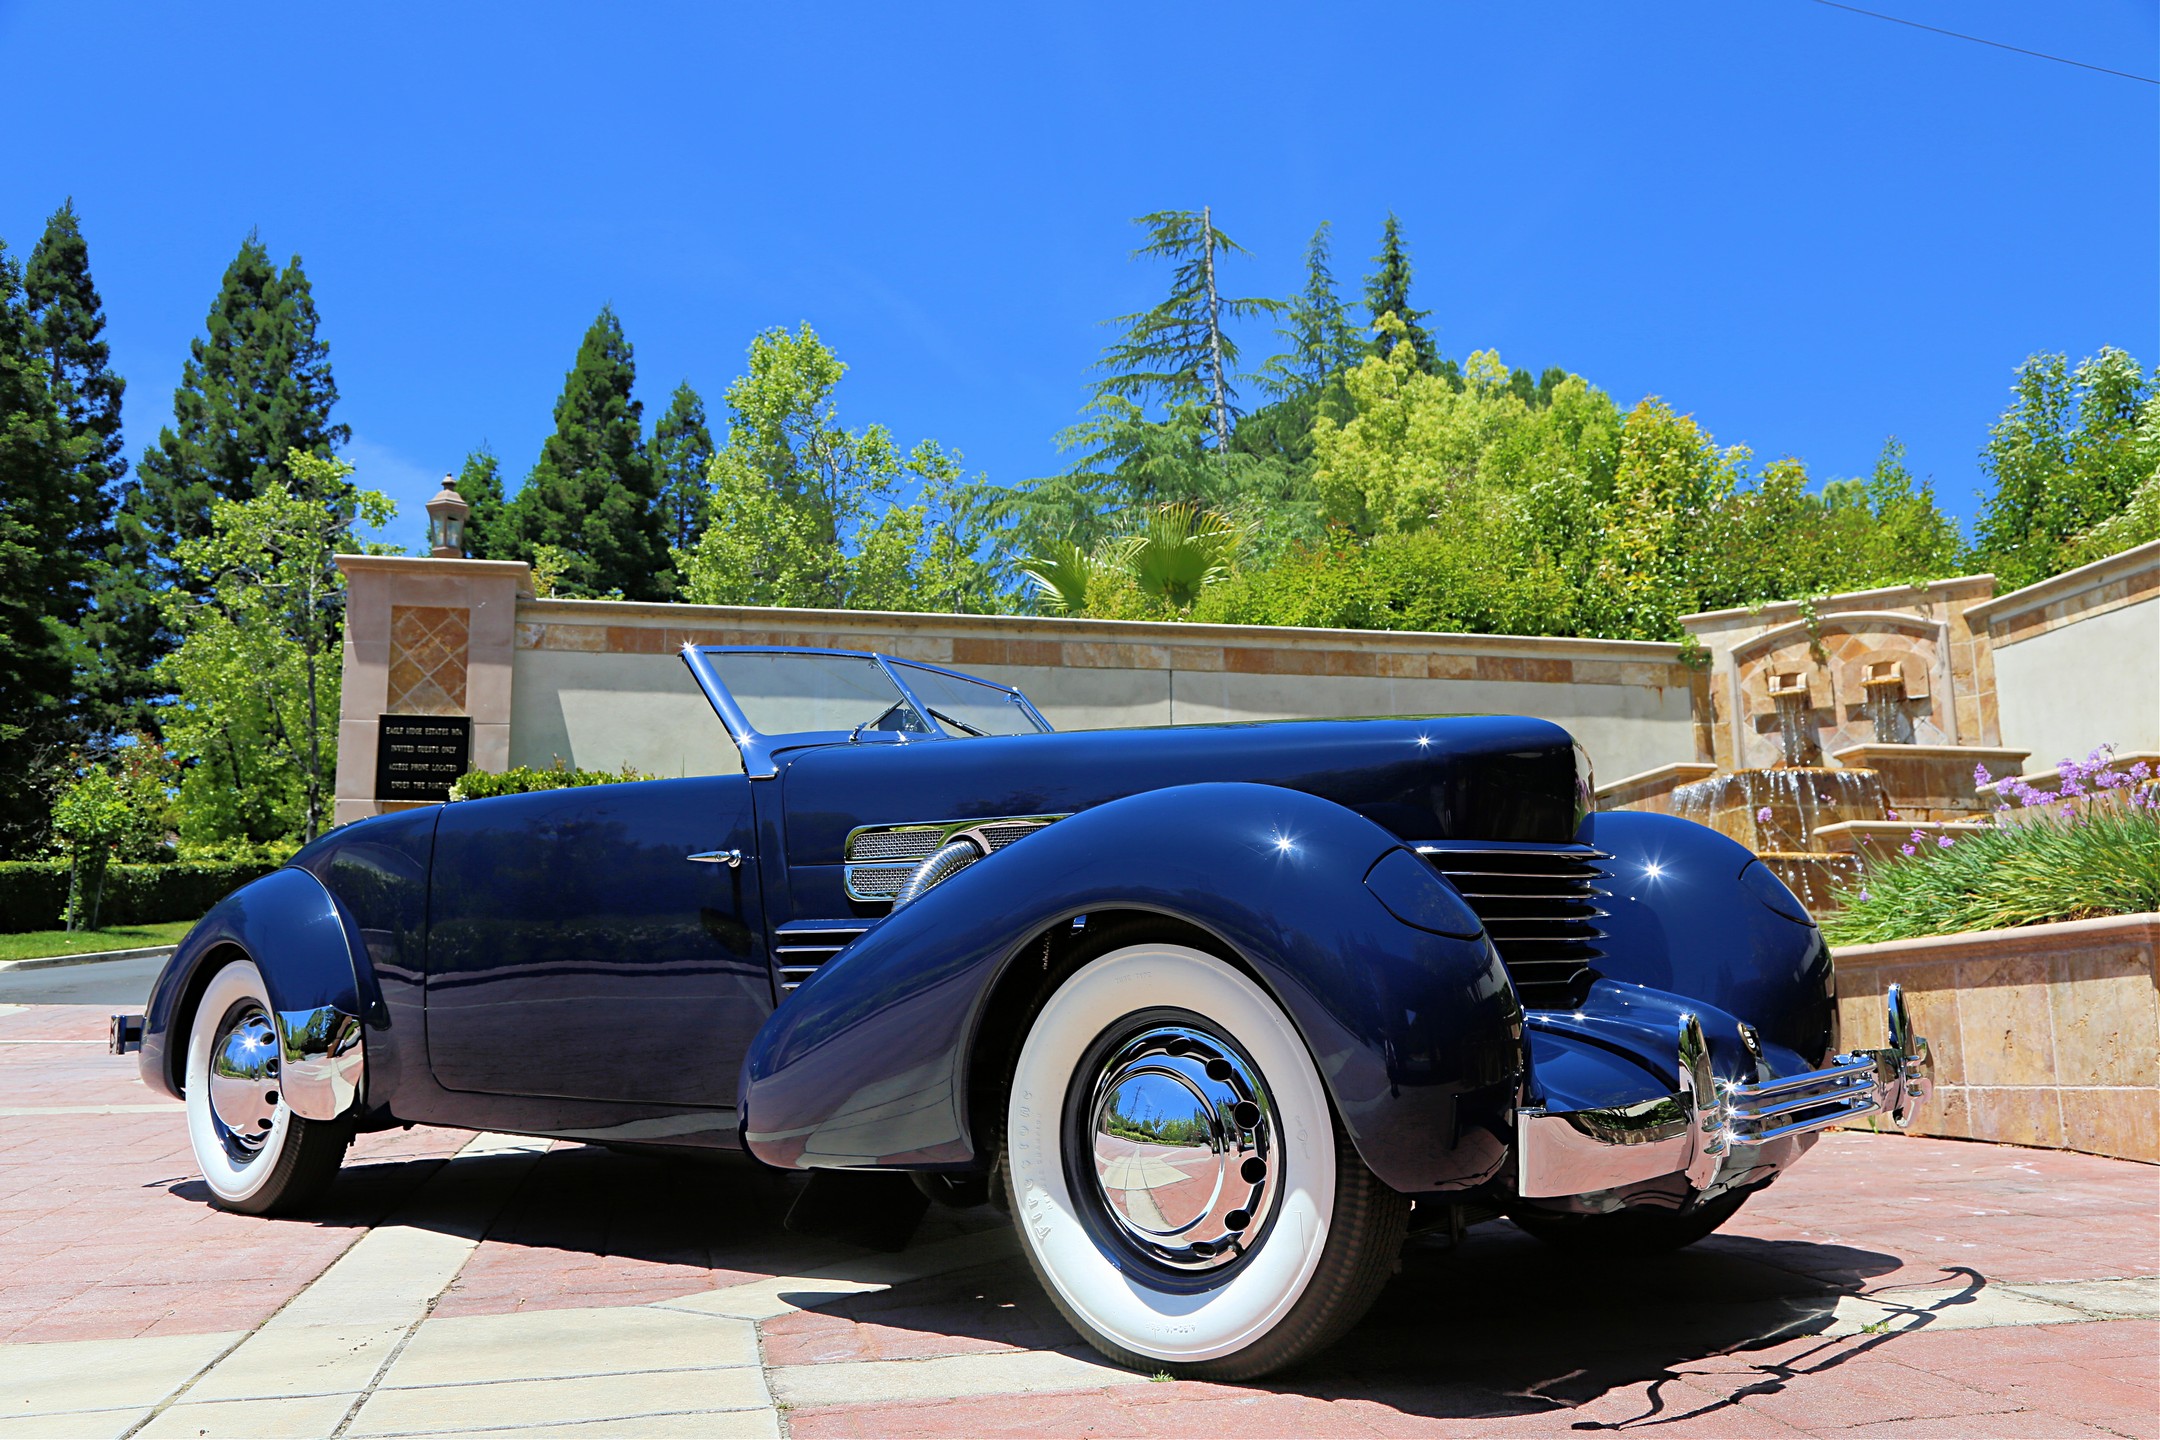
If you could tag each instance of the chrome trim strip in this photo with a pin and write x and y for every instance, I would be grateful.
(1709, 1125)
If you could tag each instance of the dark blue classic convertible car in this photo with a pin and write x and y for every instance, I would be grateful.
(1218, 1013)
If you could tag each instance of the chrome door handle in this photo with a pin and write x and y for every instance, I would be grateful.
(730, 858)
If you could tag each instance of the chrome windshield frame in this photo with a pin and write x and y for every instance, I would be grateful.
(760, 750)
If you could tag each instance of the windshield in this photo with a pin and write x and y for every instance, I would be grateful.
(965, 707)
(794, 694)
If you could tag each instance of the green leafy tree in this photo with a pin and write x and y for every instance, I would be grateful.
(41, 580)
(592, 492)
(1159, 566)
(256, 390)
(104, 813)
(806, 512)
(682, 451)
(111, 613)
(1387, 292)
(488, 532)
(2068, 454)
(255, 678)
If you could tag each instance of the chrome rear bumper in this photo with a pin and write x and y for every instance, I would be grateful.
(1713, 1125)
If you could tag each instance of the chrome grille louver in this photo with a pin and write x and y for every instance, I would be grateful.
(1540, 906)
(801, 946)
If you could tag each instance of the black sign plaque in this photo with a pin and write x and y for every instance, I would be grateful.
(418, 756)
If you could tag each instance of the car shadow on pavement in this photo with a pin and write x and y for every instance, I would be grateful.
(1496, 1325)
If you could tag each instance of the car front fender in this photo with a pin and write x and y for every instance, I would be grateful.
(1416, 1032)
(293, 931)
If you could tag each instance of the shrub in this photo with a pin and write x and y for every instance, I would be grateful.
(33, 893)
(523, 779)
(2089, 851)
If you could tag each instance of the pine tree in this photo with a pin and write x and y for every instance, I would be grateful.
(1323, 343)
(1178, 352)
(114, 623)
(591, 495)
(39, 577)
(257, 386)
(488, 532)
(1387, 291)
(682, 449)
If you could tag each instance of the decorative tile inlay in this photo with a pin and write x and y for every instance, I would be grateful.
(427, 659)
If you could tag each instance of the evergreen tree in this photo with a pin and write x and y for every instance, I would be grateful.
(114, 617)
(1323, 343)
(591, 495)
(488, 532)
(1387, 291)
(682, 450)
(256, 387)
(1178, 352)
(40, 577)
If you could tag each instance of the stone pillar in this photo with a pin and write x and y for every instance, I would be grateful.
(424, 637)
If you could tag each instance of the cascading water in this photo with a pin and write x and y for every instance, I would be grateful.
(1776, 812)
(1796, 735)
(1883, 702)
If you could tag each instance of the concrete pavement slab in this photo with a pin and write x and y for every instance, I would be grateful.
(544, 1343)
(75, 1425)
(102, 1374)
(281, 1361)
(1005, 1372)
(250, 1419)
(785, 1294)
(439, 1408)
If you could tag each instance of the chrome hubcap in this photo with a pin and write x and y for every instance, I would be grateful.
(244, 1080)
(1182, 1130)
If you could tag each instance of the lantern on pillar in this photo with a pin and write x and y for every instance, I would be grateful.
(447, 514)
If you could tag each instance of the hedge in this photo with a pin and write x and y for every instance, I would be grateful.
(484, 784)
(33, 893)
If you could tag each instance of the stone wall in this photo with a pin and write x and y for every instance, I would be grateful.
(2077, 658)
(2047, 1035)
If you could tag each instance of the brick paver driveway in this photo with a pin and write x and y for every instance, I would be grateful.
(1888, 1285)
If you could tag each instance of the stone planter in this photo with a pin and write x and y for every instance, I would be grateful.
(2046, 1035)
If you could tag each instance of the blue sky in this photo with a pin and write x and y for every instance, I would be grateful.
(1808, 228)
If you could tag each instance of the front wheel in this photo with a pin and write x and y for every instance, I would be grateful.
(256, 1156)
(1182, 1186)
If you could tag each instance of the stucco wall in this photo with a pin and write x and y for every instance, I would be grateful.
(600, 683)
(2096, 682)
(2077, 658)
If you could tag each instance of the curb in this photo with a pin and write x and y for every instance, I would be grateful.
(48, 962)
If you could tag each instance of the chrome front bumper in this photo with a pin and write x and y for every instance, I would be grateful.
(1713, 1126)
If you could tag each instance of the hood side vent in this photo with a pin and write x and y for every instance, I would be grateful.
(1540, 905)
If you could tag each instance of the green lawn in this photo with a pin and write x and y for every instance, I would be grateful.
(30, 944)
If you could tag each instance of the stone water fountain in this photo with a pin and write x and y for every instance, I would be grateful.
(1827, 735)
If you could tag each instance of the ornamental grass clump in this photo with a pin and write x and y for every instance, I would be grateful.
(2089, 849)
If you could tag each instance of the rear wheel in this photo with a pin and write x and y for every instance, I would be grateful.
(256, 1156)
(1181, 1184)
(1630, 1233)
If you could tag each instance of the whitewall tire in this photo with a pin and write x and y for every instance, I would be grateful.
(1181, 1184)
(255, 1155)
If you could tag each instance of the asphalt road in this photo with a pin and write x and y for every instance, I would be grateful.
(123, 984)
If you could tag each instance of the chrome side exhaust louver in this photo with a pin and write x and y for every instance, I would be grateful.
(1540, 905)
(801, 946)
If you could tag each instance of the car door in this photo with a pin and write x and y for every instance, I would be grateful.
(597, 943)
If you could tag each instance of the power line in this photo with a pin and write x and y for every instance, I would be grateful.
(1977, 40)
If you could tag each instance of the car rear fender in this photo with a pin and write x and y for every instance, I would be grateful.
(301, 942)
(1417, 1032)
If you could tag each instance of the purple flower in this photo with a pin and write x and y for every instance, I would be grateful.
(1918, 836)
(1906, 849)
(1864, 895)
(2072, 787)
(1980, 775)
(1762, 816)
(2141, 771)
(1944, 842)
(1891, 813)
